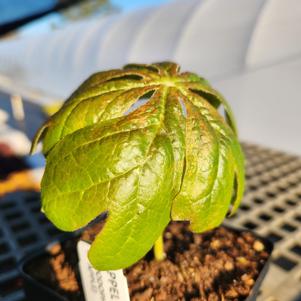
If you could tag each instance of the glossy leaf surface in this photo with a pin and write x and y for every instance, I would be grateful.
(145, 144)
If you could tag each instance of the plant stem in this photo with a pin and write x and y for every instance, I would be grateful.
(159, 249)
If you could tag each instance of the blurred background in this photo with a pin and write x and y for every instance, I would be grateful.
(250, 50)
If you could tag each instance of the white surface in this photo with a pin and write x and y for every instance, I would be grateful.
(16, 140)
(100, 285)
(249, 49)
(267, 103)
(215, 39)
(277, 34)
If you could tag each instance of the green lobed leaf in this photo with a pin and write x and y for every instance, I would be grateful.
(172, 157)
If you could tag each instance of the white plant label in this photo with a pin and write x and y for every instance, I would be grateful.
(100, 285)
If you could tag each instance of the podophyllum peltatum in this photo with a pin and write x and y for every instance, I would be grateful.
(172, 157)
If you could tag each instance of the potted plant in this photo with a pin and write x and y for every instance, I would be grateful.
(146, 145)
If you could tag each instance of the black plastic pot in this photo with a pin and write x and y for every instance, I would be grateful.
(34, 289)
(37, 291)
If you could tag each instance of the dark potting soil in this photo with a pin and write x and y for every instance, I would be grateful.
(218, 265)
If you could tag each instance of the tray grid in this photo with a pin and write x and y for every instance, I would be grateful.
(272, 207)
